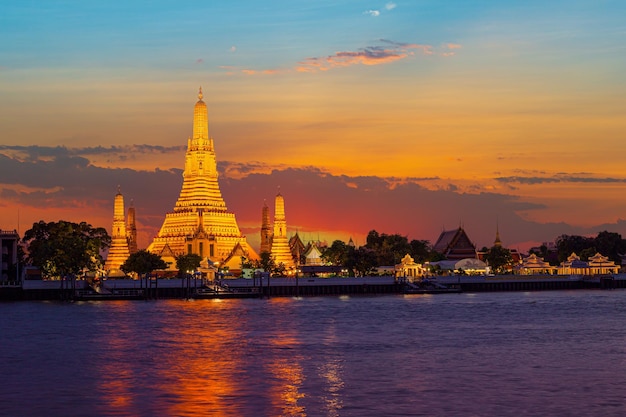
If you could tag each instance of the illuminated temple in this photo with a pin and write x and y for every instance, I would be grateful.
(200, 223)
(119, 251)
(281, 252)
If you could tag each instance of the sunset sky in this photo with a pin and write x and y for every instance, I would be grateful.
(405, 117)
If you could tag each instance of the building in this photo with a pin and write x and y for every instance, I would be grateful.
(455, 245)
(131, 229)
(8, 255)
(200, 222)
(266, 230)
(281, 252)
(118, 251)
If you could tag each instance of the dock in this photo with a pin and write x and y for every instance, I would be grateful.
(197, 288)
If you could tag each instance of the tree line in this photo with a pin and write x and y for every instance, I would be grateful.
(64, 248)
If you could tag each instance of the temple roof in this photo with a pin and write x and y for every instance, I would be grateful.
(455, 244)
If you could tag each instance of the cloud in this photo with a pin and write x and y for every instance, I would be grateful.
(560, 178)
(370, 55)
(386, 52)
(376, 12)
(65, 179)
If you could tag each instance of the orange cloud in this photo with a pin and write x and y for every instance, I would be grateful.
(370, 55)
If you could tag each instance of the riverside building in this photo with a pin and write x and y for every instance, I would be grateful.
(200, 222)
(118, 252)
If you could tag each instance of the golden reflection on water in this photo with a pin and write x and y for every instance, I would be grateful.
(191, 358)
(285, 367)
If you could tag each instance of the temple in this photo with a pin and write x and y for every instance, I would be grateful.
(281, 252)
(266, 230)
(455, 245)
(200, 223)
(118, 251)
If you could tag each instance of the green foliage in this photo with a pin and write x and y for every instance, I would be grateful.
(499, 259)
(337, 253)
(389, 249)
(363, 261)
(186, 263)
(420, 250)
(266, 262)
(64, 248)
(143, 262)
(607, 243)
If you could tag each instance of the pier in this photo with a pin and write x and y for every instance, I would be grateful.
(196, 288)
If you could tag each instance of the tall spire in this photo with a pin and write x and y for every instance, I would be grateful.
(118, 252)
(497, 242)
(200, 121)
(280, 245)
(200, 222)
(266, 230)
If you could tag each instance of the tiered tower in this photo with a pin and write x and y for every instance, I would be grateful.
(200, 222)
(280, 244)
(118, 252)
(131, 229)
(266, 230)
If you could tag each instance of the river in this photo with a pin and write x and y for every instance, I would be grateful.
(549, 353)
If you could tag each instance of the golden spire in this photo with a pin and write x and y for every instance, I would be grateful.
(200, 121)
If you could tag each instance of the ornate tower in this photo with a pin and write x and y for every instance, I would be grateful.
(131, 229)
(266, 230)
(280, 244)
(118, 252)
(200, 222)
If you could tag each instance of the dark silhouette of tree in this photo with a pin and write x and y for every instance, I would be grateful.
(362, 261)
(611, 245)
(389, 249)
(337, 253)
(566, 245)
(186, 263)
(499, 259)
(266, 262)
(63, 248)
(142, 263)
(420, 250)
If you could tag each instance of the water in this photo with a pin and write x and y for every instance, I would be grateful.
(552, 353)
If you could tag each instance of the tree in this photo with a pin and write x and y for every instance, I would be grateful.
(364, 260)
(420, 250)
(63, 248)
(389, 249)
(143, 262)
(266, 262)
(499, 259)
(337, 253)
(186, 263)
(566, 245)
(611, 245)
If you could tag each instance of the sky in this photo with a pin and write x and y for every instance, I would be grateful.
(408, 117)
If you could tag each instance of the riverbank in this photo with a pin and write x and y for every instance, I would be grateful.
(186, 288)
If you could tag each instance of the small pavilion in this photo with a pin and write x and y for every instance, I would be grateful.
(534, 265)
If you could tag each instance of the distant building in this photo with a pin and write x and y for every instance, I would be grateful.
(118, 252)
(280, 244)
(297, 248)
(455, 245)
(131, 229)
(8, 255)
(266, 230)
(312, 255)
(200, 222)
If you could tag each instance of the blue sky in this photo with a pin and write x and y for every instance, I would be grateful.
(521, 100)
